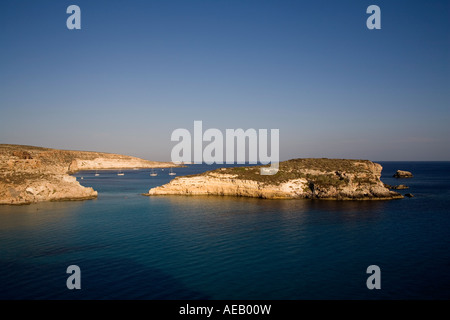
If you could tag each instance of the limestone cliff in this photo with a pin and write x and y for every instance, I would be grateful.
(31, 174)
(297, 178)
(108, 162)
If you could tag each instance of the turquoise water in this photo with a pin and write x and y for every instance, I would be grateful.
(176, 247)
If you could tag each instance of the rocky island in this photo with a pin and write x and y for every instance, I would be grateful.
(31, 174)
(403, 174)
(338, 179)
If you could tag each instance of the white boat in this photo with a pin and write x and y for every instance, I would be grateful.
(97, 174)
(171, 173)
(121, 173)
(153, 173)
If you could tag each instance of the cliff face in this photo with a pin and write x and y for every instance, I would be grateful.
(101, 162)
(298, 178)
(31, 174)
(46, 187)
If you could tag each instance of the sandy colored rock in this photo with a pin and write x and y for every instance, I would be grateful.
(32, 174)
(403, 174)
(298, 178)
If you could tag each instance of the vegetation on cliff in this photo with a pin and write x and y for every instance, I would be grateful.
(320, 171)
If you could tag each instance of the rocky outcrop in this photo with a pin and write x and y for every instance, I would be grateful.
(403, 174)
(45, 188)
(399, 187)
(298, 178)
(32, 174)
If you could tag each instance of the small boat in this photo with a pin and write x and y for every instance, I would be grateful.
(81, 178)
(153, 173)
(171, 173)
(97, 174)
(121, 173)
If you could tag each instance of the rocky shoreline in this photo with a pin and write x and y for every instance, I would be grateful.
(32, 174)
(327, 179)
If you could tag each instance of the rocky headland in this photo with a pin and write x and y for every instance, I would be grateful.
(32, 174)
(338, 179)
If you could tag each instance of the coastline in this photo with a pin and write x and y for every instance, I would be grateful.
(327, 179)
(31, 174)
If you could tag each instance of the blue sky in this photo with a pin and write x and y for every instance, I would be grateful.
(137, 70)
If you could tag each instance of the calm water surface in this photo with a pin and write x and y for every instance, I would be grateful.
(176, 247)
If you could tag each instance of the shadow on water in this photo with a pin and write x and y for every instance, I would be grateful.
(100, 279)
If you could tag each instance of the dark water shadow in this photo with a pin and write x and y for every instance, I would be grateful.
(104, 278)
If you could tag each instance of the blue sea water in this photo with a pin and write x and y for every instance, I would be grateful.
(129, 246)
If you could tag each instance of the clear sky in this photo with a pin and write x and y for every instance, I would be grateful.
(137, 70)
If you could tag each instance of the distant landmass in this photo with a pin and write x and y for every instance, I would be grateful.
(31, 174)
(339, 179)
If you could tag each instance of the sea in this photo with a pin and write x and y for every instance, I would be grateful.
(130, 246)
